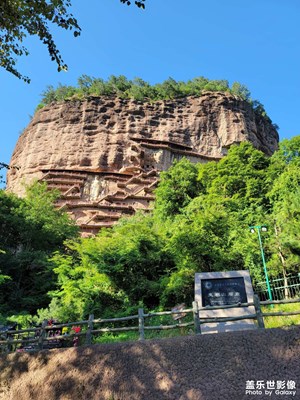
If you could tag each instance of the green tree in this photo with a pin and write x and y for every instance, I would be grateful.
(217, 85)
(287, 154)
(240, 90)
(4, 166)
(247, 188)
(81, 286)
(285, 218)
(140, 4)
(120, 268)
(240, 179)
(283, 195)
(200, 241)
(177, 187)
(169, 89)
(200, 223)
(30, 230)
(208, 229)
(18, 19)
(22, 18)
(3, 277)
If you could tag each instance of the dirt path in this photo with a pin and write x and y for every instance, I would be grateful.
(207, 367)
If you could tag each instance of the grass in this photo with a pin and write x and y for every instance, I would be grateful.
(282, 321)
(270, 322)
(110, 337)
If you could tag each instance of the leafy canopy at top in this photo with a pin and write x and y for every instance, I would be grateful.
(22, 18)
(140, 4)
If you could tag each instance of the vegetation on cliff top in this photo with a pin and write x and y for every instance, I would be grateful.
(141, 90)
(200, 223)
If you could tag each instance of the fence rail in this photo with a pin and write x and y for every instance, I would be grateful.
(45, 337)
(281, 288)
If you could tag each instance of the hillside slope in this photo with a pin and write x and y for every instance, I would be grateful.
(207, 367)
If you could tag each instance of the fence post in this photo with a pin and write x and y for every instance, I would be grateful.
(141, 324)
(260, 318)
(42, 334)
(9, 344)
(89, 335)
(196, 318)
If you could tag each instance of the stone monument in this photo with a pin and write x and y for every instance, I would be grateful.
(213, 289)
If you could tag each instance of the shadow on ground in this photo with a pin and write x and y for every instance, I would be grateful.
(207, 367)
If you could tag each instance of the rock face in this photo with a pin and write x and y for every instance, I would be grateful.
(104, 154)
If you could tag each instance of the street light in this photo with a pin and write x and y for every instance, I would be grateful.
(262, 228)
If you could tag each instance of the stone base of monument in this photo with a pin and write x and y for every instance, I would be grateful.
(221, 289)
(227, 326)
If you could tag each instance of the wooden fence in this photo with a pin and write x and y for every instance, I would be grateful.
(46, 336)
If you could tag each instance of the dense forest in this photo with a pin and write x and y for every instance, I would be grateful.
(200, 222)
(141, 90)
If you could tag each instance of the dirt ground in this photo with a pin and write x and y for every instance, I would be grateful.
(204, 367)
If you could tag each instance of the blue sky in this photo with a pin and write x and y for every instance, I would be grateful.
(254, 42)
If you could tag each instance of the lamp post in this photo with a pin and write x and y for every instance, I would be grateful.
(263, 228)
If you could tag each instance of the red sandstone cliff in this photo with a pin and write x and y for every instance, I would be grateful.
(104, 153)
